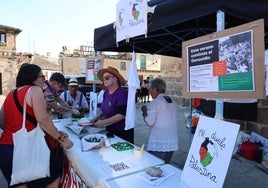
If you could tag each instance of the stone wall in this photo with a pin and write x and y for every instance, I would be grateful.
(171, 72)
(8, 68)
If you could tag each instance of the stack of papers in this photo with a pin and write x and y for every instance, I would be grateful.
(79, 130)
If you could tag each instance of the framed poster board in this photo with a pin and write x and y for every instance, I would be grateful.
(93, 66)
(225, 64)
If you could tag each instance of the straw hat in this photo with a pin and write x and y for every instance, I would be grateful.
(73, 82)
(114, 72)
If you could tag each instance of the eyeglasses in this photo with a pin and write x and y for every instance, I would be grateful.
(42, 76)
(107, 77)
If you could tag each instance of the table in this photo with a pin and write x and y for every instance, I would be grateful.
(96, 167)
(132, 181)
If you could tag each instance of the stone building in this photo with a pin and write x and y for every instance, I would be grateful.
(8, 65)
(147, 65)
(48, 65)
(10, 61)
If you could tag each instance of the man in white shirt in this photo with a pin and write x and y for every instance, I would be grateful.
(74, 98)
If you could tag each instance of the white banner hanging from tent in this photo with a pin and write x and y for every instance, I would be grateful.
(121, 21)
(131, 19)
(137, 17)
(133, 84)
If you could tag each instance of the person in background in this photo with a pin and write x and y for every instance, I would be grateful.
(74, 98)
(30, 77)
(114, 105)
(139, 96)
(54, 101)
(161, 117)
(144, 91)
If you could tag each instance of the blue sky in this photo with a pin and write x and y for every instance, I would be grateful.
(47, 25)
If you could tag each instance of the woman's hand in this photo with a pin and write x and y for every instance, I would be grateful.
(144, 111)
(64, 134)
(99, 123)
(67, 143)
(94, 120)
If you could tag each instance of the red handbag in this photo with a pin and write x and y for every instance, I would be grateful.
(249, 150)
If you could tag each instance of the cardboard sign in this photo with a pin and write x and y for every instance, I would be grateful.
(93, 67)
(225, 64)
(210, 153)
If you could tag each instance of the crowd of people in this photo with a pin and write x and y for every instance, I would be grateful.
(45, 96)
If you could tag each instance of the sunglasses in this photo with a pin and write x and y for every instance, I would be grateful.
(107, 77)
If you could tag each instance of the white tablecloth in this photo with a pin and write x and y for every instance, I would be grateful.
(101, 165)
(132, 181)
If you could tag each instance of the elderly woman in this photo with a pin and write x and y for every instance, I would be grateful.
(30, 77)
(114, 105)
(161, 117)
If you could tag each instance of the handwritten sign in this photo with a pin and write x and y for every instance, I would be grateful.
(131, 19)
(210, 153)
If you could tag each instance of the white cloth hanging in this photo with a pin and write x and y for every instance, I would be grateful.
(133, 85)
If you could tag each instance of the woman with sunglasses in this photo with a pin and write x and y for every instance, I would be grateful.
(114, 105)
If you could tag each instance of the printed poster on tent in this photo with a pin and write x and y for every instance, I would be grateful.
(210, 153)
(93, 67)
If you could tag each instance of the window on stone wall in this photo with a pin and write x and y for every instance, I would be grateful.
(3, 39)
(143, 62)
(122, 65)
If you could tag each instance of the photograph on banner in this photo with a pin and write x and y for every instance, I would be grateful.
(210, 153)
(225, 64)
(93, 66)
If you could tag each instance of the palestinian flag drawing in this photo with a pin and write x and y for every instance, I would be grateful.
(135, 11)
(206, 152)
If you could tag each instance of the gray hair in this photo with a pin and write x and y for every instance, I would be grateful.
(159, 84)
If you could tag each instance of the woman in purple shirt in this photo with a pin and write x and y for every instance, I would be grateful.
(114, 105)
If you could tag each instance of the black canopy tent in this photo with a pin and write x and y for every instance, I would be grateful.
(175, 21)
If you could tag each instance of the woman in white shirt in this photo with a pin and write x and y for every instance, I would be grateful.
(161, 117)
